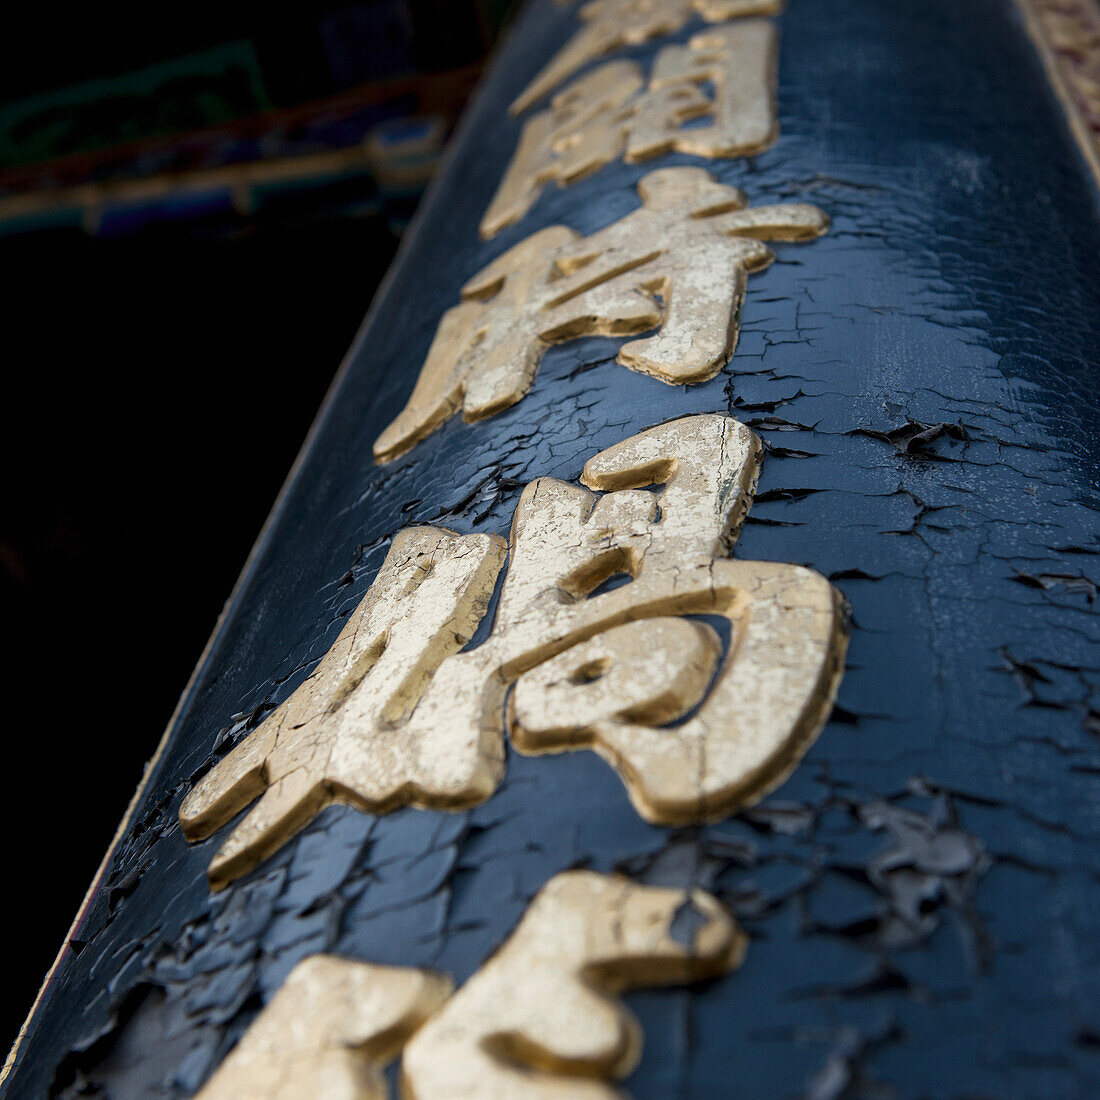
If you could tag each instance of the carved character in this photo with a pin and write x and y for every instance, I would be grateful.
(680, 262)
(610, 25)
(328, 1033)
(395, 714)
(610, 112)
(540, 1018)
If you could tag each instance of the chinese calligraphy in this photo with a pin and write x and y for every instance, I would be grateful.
(539, 1019)
(339, 737)
(623, 624)
(680, 261)
(609, 25)
(328, 1032)
(609, 112)
(395, 714)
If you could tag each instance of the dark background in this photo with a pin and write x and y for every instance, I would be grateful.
(145, 437)
(157, 384)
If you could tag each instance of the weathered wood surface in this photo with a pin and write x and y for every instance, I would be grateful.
(920, 895)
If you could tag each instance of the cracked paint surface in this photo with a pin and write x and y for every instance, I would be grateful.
(920, 894)
(328, 1032)
(345, 735)
(540, 1019)
(611, 112)
(679, 263)
(396, 715)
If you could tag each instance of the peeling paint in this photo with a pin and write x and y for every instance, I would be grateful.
(920, 894)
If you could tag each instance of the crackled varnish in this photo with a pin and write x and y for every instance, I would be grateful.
(671, 666)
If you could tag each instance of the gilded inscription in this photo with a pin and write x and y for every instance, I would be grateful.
(680, 262)
(623, 625)
(610, 25)
(540, 1019)
(395, 714)
(751, 713)
(328, 1033)
(611, 112)
(341, 736)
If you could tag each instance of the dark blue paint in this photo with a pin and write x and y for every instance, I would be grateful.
(958, 286)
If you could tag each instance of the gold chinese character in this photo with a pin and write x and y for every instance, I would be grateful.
(680, 262)
(610, 25)
(540, 1019)
(340, 737)
(328, 1033)
(609, 113)
(395, 714)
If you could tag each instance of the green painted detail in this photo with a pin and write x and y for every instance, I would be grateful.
(200, 89)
